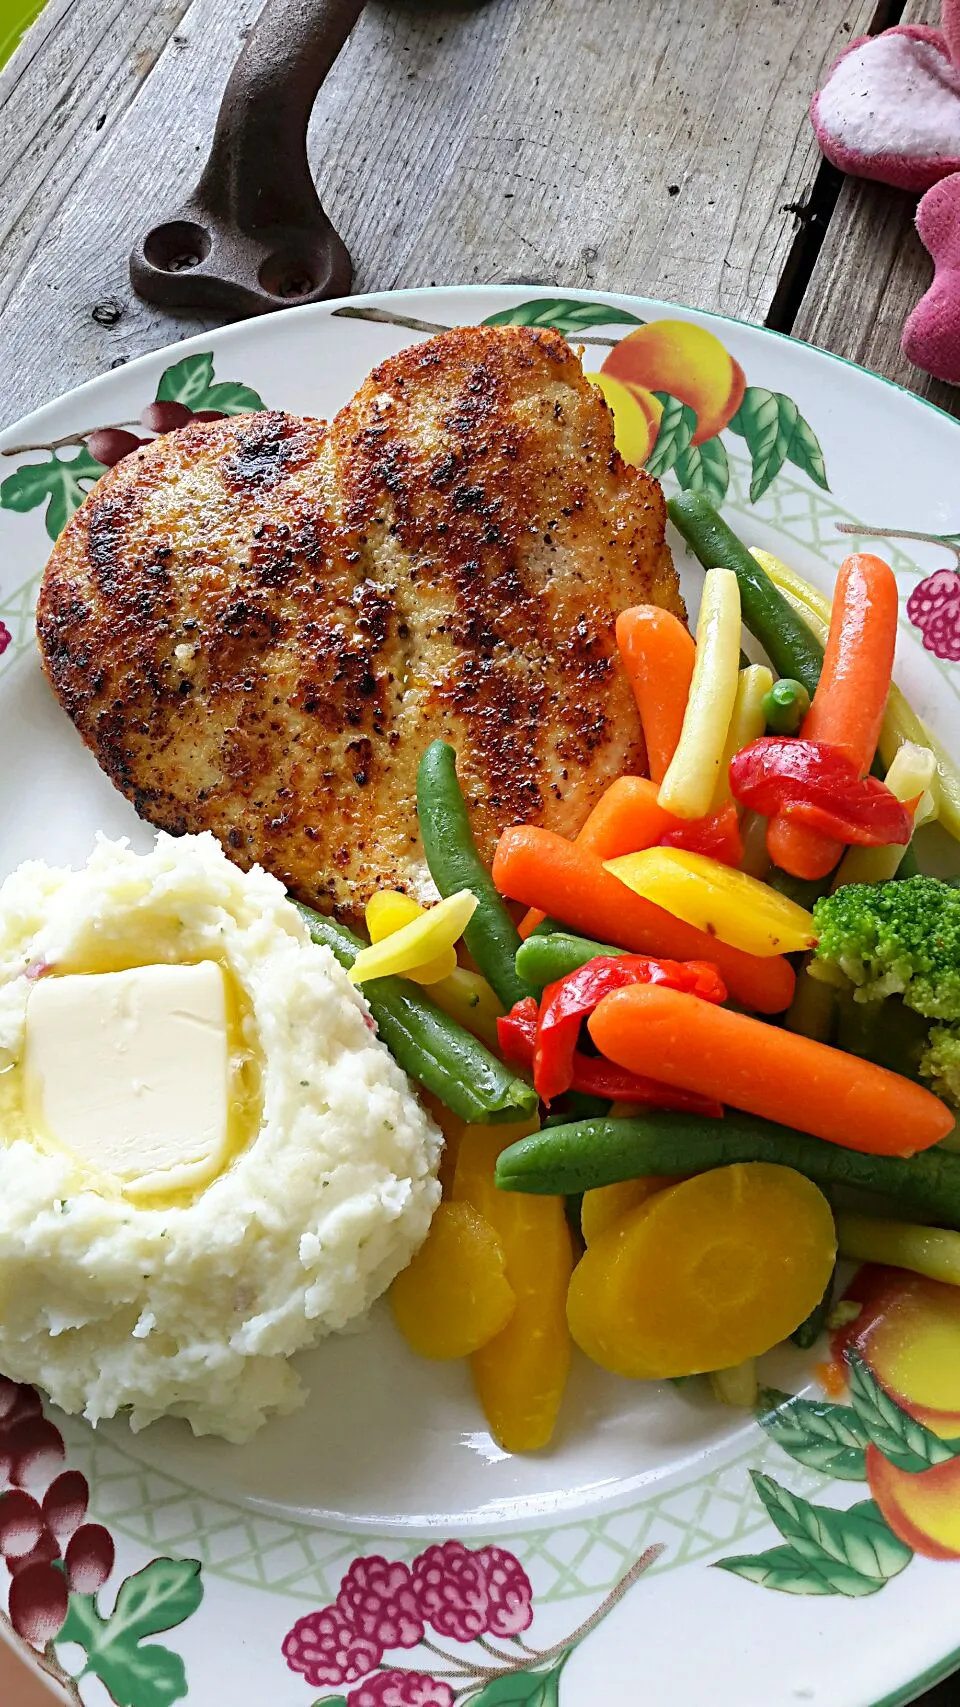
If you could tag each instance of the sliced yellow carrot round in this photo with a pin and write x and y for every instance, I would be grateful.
(705, 1274)
(606, 1204)
(454, 1296)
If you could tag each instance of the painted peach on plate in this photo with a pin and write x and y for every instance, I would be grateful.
(688, 362)
(636, 417)
(908, 1332)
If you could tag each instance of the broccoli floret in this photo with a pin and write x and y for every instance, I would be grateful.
(940, 1063)
(895, 939)
(898, 940)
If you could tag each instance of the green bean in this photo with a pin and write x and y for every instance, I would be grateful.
(428, 1045)
(790, 645)
(491, 936)
(785, 706)
(813, 1325)
(541, 960)
(589, 1153)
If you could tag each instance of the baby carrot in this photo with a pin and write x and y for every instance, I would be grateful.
(850, 700)
(542, 869)
(627, 817)
(659, 655)
(766, 1071)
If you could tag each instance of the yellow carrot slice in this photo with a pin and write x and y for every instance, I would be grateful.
(687, 789)
(416, 944)
(718, 899)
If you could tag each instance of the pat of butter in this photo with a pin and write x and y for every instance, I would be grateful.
(130, 1071)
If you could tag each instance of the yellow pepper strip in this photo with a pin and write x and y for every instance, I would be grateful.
(932, 1251)
(913, 773)
(747, 724)
(687, 789)
(387, 911)
(416, 944)
(737, 1386)
(727, 903)
(470, 1000)
(901, 722)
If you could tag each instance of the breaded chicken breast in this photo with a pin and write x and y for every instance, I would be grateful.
(259, 624)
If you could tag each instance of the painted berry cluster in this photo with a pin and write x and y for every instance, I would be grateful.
(58, 1562)
(479, 1598)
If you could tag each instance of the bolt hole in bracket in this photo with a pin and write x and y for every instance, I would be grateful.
(253, 237)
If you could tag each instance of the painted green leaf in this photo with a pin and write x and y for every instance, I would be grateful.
(776, 433)
(138, 1674)
(232, 398)
(785, 1569)
(330, 1701)
(191, 382)
(60, 482)
(564, 315)
(825, 1437)
(524, 1689)
(704, 468)
(902, 1440)
(678, 423)
(857, 1538)
(187, 381)
(804, 452)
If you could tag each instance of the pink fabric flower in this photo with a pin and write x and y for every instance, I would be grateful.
(401, 1689)
(326, 1648)
(451, 1588)
(509, 1594)
(934, 606)
(378, 1598)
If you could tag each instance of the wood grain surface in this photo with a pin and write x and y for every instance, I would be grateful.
(661, 149)
(871, 271)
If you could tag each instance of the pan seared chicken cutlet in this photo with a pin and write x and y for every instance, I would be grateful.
(259, 624)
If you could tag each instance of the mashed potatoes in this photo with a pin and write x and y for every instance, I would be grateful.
(192, 1307)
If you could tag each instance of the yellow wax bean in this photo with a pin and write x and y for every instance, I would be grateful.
(414, 945)
(687, 789)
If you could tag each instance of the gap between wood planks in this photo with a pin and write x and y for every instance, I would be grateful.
(814, 215)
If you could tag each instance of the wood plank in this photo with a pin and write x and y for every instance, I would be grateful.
(871, 271)
(649, 148)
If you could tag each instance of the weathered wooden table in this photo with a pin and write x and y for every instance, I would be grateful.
(663, 148)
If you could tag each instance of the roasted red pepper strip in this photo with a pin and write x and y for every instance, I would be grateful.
(592, 1074)
(717, 836)
(818, 785)
(571, 1000)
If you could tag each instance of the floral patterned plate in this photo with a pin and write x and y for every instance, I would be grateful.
(378, 1549)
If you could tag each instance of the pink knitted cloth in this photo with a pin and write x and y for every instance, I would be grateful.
(931, 337)
(890, 108)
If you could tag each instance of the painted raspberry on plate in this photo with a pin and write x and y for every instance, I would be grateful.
(509, 1594)
(5, 638)
(934, 608)
(327, 1648)
(379, 1599)
(466, 1595)
(401, 1689)
(451, 1586)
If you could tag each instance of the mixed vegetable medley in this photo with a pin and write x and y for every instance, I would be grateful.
(732, 1007)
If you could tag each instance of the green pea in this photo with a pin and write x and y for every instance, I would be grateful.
(785, 706)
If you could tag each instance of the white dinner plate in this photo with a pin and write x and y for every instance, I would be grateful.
(587, 1573)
